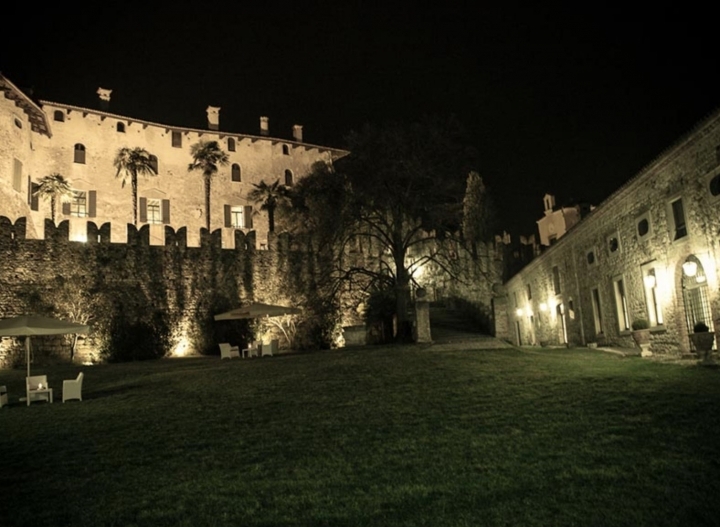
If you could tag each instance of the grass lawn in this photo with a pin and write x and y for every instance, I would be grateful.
(374, 436)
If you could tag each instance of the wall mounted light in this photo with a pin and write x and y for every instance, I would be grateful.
(689, 268)
(543, 306)
(519, 312)
(649, 280)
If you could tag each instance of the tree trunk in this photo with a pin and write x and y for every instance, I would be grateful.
(207, 202)
(52, 208)
(133, 184)
(271, 219)
(402, 294)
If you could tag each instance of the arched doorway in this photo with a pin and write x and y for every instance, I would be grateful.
(695, 294)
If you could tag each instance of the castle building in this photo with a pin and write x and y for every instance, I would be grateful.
(38, 139)
(650, 251)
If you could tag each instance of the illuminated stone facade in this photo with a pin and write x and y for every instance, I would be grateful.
(624, 261)
(80, 144)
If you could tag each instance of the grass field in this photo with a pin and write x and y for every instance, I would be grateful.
(374, 436)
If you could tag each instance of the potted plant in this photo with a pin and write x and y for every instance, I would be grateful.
(641, 335)
(703, 339)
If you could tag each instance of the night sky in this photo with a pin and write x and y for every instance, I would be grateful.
(573, 102)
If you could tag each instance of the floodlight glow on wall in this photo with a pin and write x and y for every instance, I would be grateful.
(543, 306)
(649, 280)
(689, 268)
(528, 311)
(519, 312)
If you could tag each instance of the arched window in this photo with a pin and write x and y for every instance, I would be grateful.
(236, 176)
(79, 154)
(286, 150)
(121, 127)
(715, 186)
(231, 144)
(154, 163)
(59, 116)
(288, 178)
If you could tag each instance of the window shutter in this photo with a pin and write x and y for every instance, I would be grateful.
(66, 208)
(166, 211)
(143, 210)
(228, 219)
(92, 200)
(29, 200)
(247, 217)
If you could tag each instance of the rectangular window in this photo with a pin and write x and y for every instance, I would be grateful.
(651, 298)
(33, 196)
(17, 175)
(621, 305)
(177, 139)
(78, 204)
(597, 311)
(556, 279)
(678, 217)
(154, 211)
(238, 216)
(529, 292)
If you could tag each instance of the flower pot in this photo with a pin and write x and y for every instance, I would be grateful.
(642, 339)
(703, 343)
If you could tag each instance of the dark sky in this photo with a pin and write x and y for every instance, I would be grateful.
(569, 101)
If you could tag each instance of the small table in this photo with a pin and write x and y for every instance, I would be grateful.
(47, 391)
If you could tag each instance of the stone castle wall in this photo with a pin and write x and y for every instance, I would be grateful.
(633, 234)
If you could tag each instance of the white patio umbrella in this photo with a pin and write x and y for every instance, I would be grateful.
(29, 325)
(257, 310)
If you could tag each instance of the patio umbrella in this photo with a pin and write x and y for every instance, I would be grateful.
(29, 325)
(257, 310)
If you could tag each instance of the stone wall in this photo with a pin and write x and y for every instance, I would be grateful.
(591, 285)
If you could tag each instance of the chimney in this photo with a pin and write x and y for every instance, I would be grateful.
(104, 95)
(549, 201)
(213, 116)
(264, 126)
(297, 132)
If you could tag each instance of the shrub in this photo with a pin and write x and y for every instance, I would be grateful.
(639, 324)
(701, 327)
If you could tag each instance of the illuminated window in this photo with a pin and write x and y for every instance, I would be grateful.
(79, 204)
(79, 154)
(177, 139)
(154, 213)
(597, 311)
(621, 305)
(120, 127)
(286, 150)
(238, 216)
(59, 116)
(236, 176)
(288, 178)
(679, 226)
(231, 144)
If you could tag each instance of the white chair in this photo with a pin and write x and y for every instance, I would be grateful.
(228, 352)
(269, 349)
(3, 396)
(37, 389)
(72, 389)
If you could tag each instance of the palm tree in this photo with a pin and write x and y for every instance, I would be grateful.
(55, 188)
(131, 163)
(269, 196)
(207, 155)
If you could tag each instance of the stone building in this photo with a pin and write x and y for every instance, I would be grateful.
(38, 139)
(650, 251)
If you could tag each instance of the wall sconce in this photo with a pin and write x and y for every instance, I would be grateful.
(543, 306)
(689, 268)
(649, 280)
(528, 311)
(519, 312)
